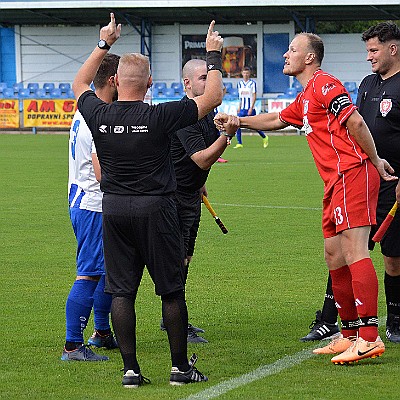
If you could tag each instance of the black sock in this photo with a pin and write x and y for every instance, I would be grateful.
(329, 310)
(175, 318)
(71, 346)
(124, 323)
(392, 291)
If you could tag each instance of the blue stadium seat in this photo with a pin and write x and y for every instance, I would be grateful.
(17, 86)
(228, 86)
(233, 92)
(169, 92)
(177, 86)
(64, 87)
(55, 93)
(350, 86)
(41, 94)
(70, 94)
(48, 87)
(159, 86)
(33, 86)
(297, 85)
(8, 93)
(3, 85)
(290, 92)
(24, 93)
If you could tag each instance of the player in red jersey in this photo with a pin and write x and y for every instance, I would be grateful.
(347, 161)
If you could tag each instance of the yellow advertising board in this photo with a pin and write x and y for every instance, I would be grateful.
(9, 113)
(48, 113)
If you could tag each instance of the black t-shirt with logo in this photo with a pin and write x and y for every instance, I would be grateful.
(379, 104)
(133, 142)
(187, 141)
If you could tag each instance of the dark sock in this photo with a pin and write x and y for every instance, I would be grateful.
(329, 310)
(175, 317)
(124, 323)
(392, 292)
(71, 346)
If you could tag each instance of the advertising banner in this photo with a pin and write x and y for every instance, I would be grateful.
(9, 113)
(48, 113)
(238, 51)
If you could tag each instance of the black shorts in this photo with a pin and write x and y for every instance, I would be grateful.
(189, 210)
(390, 243)
(141, 231)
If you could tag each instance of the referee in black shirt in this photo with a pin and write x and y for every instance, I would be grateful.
(194, 150)
(140, 219)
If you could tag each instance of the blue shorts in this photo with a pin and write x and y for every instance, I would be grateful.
(88, 232)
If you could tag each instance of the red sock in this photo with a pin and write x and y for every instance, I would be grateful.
(365, 289)
(343, 294)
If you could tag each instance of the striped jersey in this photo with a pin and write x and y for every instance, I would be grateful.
(246, 92)
(323, 108)
(83, 188)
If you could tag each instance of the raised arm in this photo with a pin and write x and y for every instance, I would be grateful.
(109, 34)
(359, 130)
(213, 92)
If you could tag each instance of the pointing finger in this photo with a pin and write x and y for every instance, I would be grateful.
(211, 27)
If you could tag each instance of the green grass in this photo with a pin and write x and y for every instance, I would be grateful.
(254, 290)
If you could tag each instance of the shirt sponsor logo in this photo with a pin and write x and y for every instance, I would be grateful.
(119, 129)
(103, 129)
(385, 106)
(326, 88)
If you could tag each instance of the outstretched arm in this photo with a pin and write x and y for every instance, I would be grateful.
(265, 122)
(87, 72)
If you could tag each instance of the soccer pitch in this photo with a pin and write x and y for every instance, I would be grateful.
(254, 290)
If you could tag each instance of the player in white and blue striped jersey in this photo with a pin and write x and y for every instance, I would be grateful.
(247, 91)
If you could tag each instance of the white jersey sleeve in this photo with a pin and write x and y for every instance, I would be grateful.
(83, 188)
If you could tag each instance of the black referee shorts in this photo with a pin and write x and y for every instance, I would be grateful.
(141, 231)
(390, 243)
(189, 210)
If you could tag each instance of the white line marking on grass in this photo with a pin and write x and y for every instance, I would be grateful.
(259, 373)
(272, 207)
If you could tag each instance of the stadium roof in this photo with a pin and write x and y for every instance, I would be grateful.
(71, 12)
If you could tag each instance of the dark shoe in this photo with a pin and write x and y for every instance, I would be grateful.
(193, 337)
(321, 330)
(107, 341)
(393, 328)
(193, 375)
(190, 327)
(82, 353)
(132, 380)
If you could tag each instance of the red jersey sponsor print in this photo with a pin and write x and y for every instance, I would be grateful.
(323, 108)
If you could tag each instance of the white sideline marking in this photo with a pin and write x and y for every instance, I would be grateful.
(265, 206)
(259, 373)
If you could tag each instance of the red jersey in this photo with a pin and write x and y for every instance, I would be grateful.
(323, 108)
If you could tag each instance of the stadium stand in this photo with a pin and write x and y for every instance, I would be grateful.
(48, 87)
(33, 86)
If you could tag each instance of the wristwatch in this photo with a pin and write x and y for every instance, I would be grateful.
(103, 45)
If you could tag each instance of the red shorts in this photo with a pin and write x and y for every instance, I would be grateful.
(352, 200)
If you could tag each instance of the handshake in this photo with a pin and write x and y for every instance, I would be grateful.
(227, 123)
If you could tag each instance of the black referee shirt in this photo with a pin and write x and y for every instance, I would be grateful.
(133, 141)
(379, 104)
(187, 141)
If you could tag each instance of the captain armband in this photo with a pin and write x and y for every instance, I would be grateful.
(339, 103)
(214, 61)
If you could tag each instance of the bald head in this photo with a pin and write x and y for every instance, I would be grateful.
(194, 74)
(133, 72)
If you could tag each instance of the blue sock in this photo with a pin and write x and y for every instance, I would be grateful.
(101, 307)
(262, 134)
(78, 308)
(239, 136)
